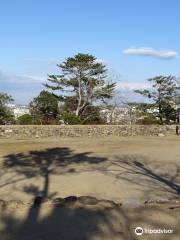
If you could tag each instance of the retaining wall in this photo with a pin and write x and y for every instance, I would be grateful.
(43, 131)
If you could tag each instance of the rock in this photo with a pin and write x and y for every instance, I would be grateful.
(71, 200)
(87, 200)
(174, 207)
(158, 201)
(58, 200)
(162, 201)
(109, 204)
(8, 130)
(2, 203)
(149, 201)
(161, 135)
(14, 203)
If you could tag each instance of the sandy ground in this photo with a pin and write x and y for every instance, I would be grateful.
(89, 222)
(115, 168)
(127, 170)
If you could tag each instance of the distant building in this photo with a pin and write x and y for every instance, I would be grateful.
(125, 115)
(19, 110)
(116, 115)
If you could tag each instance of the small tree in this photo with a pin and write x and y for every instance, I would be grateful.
(6, 116)
(82, 82)
(163, 93)
(44, 108)
(25, 119)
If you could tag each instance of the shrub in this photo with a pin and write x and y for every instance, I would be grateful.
(148, 120)
(69, 118)
(25, 119)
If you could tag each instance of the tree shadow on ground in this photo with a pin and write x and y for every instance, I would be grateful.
(64, 223)
(88, 223)
(45, 163)
(84, 223)
(138, 170)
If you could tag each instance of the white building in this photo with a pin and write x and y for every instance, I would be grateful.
(19, 110)
(117, 115)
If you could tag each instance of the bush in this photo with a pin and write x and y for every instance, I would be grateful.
(92, 116)
(69, 118)
(148, 120)
(25, 119)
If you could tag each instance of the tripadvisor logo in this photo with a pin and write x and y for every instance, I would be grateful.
(139, 231)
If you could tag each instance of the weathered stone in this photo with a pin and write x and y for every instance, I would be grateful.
(87, 200)
(2, 203)
(58, 200)
(44, 131)
(161, 135)
(109, 204)
(174, 207)
(70, 201)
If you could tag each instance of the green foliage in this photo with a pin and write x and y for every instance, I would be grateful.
(70, 104)
(44, 108)
(69, 118)
(25, 119)
(144, 113)
(92, 115)
(163, 93)
(6, 116)
(82, 82)
(148, 119)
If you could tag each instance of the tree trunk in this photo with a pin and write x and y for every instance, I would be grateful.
(160, 113)
(79, 97)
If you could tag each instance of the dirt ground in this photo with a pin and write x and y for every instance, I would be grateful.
(127, 170)
(118, 169)
(90, 222)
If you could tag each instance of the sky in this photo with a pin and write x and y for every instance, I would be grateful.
(136, 39)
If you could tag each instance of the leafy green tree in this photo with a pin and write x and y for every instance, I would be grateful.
(6, 116)
(82, 81)
(70, 118)
(92, 115)
(163, 94)
(25, 119)
(142, 113)
(44, 108)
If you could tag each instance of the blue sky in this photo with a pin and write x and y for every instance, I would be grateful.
(137, 39)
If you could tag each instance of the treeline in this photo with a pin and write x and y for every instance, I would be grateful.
(82, 89)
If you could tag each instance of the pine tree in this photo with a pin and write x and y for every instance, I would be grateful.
(165, 90)
(82, 79)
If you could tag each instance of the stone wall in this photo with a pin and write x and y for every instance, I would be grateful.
(42, 131)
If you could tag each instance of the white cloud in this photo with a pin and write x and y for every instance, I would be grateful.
(144, 51)
(13, 78)
(125, 91)
(31, 78)
(131, 85)
(49, 61)
(22, 87)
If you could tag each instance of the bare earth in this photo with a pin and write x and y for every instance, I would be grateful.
(127, 170)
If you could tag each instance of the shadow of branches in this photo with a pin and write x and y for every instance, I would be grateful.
(45, 163)
(142, 172)
(87, 223)
(67, 224)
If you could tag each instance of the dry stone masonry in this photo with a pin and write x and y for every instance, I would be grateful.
(44, 131)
